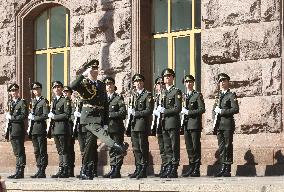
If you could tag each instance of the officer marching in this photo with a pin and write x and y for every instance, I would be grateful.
(16, 115)
(94, 115)
(171, 123)
(59, 114)
(224, 108)
(117, 113)
(143, 108)
(192, 125)
(38, 127)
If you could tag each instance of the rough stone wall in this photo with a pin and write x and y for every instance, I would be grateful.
(99, 29)
(243, 39)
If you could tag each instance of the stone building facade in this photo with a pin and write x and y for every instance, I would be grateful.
(243, 38)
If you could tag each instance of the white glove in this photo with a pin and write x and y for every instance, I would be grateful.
(85, 73)
(31, 117)
(161, 109)
(218, 110)
(105, 127)
(156, 113)
(51, 115)
(8, 116)
(77, 114)
(133, 112)
(130, 110)
(184, 111)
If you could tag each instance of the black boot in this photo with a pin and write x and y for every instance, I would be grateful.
(227, 171)
(136, 172)
(12, 176)
(220, 173)
(89, 173)
(189, 171)
(121, 149)
(71, 171)
(173, 173)
(143, 172)
(196, 170)
(20, 173)
(162, 170)
(167, 172)
(60, 171)
(95, 171)
(112, 168)
(116, 173)
(65, 173)
(35, 175)
(42, 172)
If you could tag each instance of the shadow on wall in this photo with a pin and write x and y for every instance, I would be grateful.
(215, 167)
(278, 168)
(248, 169)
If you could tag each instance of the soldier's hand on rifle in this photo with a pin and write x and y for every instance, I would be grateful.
(85, 73)
(131, 111)
(51, 115)
(156, 113)
(218, 110)
(184, 111)
(31, 117)
(8, 116)
(105, 127)
(77, 114)
(161, 109)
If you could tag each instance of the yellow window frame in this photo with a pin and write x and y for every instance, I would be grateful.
(52, 51)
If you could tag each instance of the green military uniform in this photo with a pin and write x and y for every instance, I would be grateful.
(40, 110)
(94, 115)
(143, 106)
(225, 126)
(18, 112)
(195, 107)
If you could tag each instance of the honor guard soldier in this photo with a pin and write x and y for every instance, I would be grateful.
(142, 110)
(37, 128)
(192, 125)
(67, 93)
(224, 108)
(171, 123)
(59, 114)
(16, 115)
(94, 115)
(117, 113)
(159, 91)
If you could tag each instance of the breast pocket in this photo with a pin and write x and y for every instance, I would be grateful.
(114, 108)
(171, 102)
(141, 105)
(193, 104)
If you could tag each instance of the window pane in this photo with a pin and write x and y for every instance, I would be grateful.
(182, 58)
(181, 14)
(197, 14)
(160, 16)
(160, 56)
(40, 31)
(41, 72)
(58, 67)
(58, 27)
(198, 62)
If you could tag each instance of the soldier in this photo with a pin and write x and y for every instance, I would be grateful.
(37, 117)
(159, 88)
(224, 108)
(94, 115)
(16, 116)
(192, 125)
(143, 108)
(60, 113)
(171, 123)
(67, 93)
(117, 113)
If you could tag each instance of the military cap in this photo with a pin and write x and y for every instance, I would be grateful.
(168, 71)
(36, 85)
(223, 76)
(92, 63)
(109, 80)
(67, 88)
(188, 78)
(138, 77)
(159, 80)
(56, 83)
(13, 86)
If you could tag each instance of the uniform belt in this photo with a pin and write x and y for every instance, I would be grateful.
(93, 106)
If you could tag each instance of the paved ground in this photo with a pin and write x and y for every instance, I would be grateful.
(204, 184)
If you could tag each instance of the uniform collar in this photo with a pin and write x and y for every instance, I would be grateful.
(169, 88)
(140, 91)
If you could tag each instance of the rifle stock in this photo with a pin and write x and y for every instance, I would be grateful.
(130, 118)
(216, 114)
(8, 123)
(49, 123)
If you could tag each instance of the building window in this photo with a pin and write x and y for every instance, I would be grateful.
(52, 47)
(176, 38)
